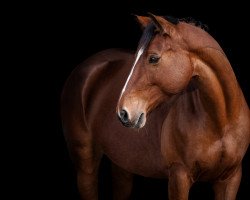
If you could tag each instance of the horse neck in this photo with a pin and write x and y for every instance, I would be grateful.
(219, 91)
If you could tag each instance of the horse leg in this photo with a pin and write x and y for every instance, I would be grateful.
(122, 183)
(179, 182)
(87, 160)
(227, 189)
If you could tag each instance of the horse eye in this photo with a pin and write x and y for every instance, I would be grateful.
(153, 59)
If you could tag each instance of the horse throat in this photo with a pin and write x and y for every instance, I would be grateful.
(219, 91)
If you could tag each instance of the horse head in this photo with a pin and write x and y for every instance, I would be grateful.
(161, 69)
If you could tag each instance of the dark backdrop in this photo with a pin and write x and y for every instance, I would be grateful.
(52, 38)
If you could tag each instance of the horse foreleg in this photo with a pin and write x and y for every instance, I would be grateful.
(122, 183)
(179, 182)
(227, 189)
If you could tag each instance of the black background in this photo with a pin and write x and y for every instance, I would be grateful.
(47, 41)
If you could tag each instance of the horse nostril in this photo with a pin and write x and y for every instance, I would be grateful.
(124, 116)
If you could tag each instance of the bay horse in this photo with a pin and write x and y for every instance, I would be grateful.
(182, 114)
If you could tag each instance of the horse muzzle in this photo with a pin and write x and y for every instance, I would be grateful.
(137, 120)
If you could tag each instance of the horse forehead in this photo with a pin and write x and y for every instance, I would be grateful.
(161, 45)
(157, 43)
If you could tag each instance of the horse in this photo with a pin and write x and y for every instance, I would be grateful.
(173, 109)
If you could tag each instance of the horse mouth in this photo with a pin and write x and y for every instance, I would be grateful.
(139, 122)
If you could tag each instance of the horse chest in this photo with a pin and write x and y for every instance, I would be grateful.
(205, 154)
(202, 150)
(215, 159)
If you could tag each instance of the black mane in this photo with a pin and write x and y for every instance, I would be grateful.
(189, 20)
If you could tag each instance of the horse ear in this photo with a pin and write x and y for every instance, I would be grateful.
(143, 21)
(164, 26)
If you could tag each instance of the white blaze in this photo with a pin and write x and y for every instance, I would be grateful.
(140, 52)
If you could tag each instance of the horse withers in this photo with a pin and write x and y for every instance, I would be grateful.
(172, 110)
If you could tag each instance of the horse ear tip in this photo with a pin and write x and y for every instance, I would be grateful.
(135, 16)
(139, 17)
(151, 15)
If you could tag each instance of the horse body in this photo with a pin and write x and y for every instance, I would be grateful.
(198, 133)
(115, 63)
